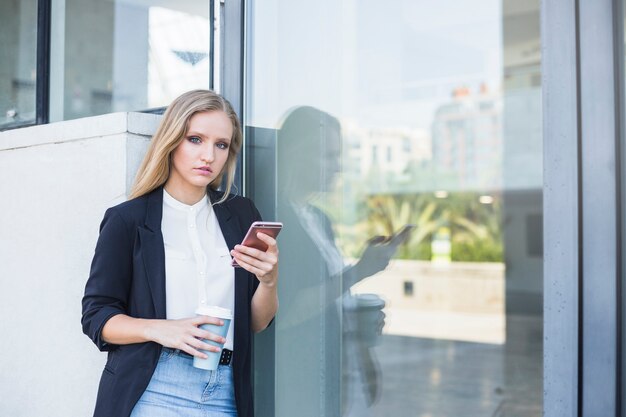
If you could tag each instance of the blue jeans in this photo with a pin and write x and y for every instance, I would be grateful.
(178, 389)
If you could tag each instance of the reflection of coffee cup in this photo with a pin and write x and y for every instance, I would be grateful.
(226, 316)
(364, 318)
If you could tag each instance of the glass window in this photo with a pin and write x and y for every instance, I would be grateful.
(410, 287)
(18, 62)
(125, 55)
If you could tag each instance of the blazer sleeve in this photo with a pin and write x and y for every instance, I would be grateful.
(106, 291)
(252, 216)
(255, 216)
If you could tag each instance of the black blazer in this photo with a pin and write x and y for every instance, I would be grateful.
(128, 277)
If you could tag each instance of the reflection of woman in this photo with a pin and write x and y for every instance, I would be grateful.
(164, 253)
(308, 329)
(309, 336)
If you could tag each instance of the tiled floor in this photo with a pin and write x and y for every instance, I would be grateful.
(444, 378)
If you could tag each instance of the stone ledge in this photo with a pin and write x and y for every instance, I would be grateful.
(89, 127)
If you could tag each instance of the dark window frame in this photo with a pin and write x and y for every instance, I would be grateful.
(42, 81)
(42, 69)
(42, 87)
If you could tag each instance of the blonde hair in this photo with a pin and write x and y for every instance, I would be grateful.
(155, 167)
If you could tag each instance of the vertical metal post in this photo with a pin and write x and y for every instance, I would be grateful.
(562, 237)
(216, 45)
(42, 94)
(231, 58)
(600, 217)
(620, 85)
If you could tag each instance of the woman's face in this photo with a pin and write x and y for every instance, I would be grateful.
(202, 154)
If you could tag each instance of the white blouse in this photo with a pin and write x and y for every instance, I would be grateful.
(197, 261)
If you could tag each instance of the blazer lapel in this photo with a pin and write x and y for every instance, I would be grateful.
(229, 224)
(153, 251)
(231, 229)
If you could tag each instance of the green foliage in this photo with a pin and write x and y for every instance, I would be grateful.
(476, 231)
(477, 251)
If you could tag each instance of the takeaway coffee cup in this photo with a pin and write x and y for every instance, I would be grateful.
(364, 317)
(226, 315)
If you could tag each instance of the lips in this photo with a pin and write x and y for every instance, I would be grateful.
(204, 170)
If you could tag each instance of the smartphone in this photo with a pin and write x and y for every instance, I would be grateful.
(251, 240)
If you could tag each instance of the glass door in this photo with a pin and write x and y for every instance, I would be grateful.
(400, 144)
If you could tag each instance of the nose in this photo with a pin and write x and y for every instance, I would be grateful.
(208, 154)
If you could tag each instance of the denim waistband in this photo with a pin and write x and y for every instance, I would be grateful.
(225, 359)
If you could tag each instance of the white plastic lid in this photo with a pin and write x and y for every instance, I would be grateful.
(215, 311)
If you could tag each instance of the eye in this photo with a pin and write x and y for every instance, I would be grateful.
(194, 139)
(222, 145)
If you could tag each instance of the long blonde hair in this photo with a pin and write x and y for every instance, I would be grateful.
(155, 167)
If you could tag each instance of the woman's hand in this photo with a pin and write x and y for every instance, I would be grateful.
(262, 264)
(185, 334)
(378, 253)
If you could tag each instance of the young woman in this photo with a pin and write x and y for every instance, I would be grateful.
(164, 253)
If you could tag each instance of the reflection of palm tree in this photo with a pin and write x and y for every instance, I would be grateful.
(476, 228)
(475, 219)
(385, 215)
(390, 213)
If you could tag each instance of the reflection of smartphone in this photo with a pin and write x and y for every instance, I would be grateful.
(403, 234)
(405, 229)
(396, 239)
(251, 240)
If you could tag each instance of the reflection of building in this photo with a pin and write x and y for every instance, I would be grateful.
(467, 140)
(386, 153)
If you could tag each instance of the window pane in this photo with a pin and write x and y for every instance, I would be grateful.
(131, 55)
(407, 144)
(18, 62)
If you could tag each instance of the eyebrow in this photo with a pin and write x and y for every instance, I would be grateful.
(194, 133)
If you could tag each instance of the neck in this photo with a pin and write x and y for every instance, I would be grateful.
(186, 195)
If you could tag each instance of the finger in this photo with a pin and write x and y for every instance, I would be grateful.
(194, 352)
(187, 346)
(249, 251)
(254, 256)
(266, 263)
(266, 238)
(196, 348)
(202, 345)
(206, 335)
(199, 320)
(251, 268)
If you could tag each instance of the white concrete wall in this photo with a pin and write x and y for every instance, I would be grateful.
(56, 181)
